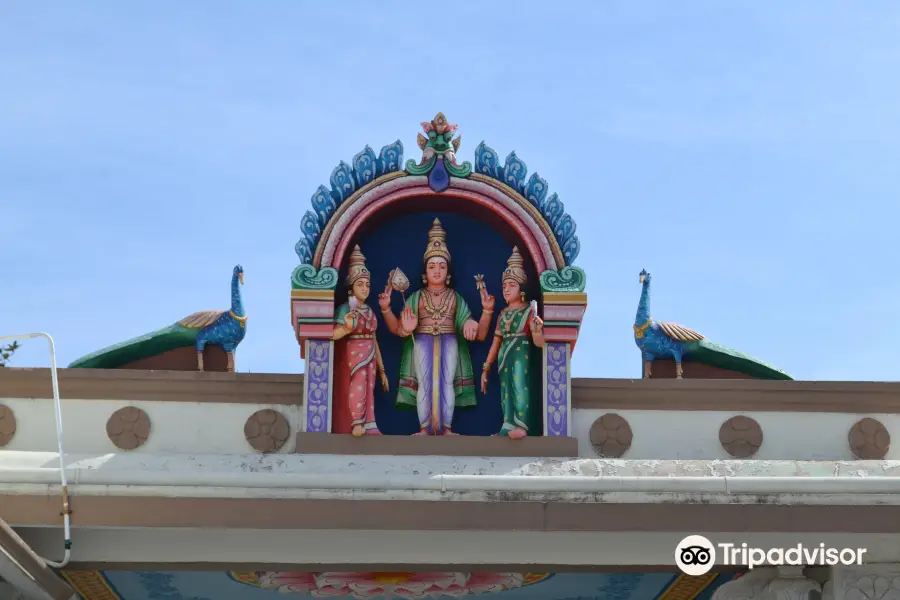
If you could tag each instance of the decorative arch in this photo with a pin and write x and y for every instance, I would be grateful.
(354, 187)
(342, 227)
(372, 189)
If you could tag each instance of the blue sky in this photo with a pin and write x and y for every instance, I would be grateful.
(745, 153)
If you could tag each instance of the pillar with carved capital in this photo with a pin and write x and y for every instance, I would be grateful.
(317, 388)
(557, 389)
(565, 303)
(312, 313)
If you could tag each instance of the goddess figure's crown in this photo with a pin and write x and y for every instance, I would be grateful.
(515, 269)
(357, 269)
(437, 242)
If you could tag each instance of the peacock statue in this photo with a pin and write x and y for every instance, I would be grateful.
(225, 328)
(661, 340)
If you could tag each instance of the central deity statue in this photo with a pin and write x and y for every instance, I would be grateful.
(436, 323)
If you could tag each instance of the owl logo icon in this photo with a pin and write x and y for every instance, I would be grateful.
(695, 555)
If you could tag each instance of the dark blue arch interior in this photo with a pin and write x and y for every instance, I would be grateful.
(478, 244)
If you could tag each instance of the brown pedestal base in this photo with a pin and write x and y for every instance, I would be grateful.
(182, 359)
(455, 445)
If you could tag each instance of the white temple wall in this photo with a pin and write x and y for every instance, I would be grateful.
(176, 427)
(695, 434)
(218, 428)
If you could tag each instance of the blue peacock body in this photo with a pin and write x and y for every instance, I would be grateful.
(665, 340)
(225, 328)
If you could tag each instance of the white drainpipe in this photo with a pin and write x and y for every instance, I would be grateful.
(59, 441)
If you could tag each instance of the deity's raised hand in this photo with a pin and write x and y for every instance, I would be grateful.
(384, 298)
(408, 319)
(537, 324)
(487, 301)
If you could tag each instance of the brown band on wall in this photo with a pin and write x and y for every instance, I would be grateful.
(379, 567)
(171, 386)
(736, 395)
(495, 515)
(723, 395)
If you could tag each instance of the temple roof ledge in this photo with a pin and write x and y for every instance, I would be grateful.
(793, 481)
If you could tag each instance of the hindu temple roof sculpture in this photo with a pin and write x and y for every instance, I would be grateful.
(501, 197)
(439, 162)
(224, 328)
(666, 340)
(358, 191)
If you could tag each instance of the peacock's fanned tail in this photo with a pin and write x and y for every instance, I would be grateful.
(716, 355)
(151, 344)
(201, 319)
(680, 332)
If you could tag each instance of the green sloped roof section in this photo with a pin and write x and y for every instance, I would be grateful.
(716, 355)
(145, 346)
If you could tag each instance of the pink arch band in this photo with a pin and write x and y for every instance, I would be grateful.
(336, 238)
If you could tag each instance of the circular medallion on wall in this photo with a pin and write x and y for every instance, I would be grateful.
(869, 439)
(7, 425)
(267, 430)
(611, 435)
(741, 436)
(128, 428)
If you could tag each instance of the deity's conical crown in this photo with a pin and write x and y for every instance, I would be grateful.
(515, 269)
(357, 267)
(437, 242)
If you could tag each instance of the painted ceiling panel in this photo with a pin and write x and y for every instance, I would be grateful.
(187, 585)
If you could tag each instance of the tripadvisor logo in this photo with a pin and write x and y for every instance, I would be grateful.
(696, 555)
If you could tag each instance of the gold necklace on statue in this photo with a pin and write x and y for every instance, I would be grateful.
(441, 312)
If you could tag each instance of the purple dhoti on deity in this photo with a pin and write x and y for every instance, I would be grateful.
(435, 363)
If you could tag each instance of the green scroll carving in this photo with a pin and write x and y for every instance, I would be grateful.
(461, 171)
(305, 277)
(567, 279)
(420, 169)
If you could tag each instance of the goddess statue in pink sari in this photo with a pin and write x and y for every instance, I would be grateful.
(356, 322)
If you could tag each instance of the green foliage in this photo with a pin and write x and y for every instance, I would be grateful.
(7, 352)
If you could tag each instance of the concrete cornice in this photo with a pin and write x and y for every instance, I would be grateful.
(449, 478)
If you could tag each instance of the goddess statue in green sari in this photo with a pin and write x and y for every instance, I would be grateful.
(518, 329)
(435, 365)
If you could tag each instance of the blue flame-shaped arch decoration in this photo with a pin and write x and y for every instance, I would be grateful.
(535, 190)
(345, 181)
(366, 167)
